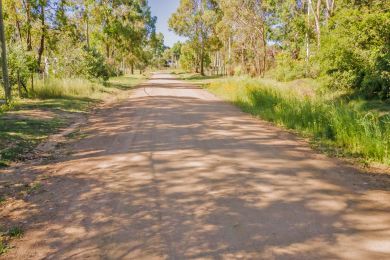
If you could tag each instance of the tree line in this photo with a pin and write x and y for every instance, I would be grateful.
(344, 43)
(76, 38)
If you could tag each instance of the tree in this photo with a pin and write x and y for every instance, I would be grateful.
(196, 19)
(176, 53)
(71, 38)
(4, 66)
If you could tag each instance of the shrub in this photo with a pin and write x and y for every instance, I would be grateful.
(95, 65)
(355, 51)
(20, 65)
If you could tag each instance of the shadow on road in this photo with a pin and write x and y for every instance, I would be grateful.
(188, 178)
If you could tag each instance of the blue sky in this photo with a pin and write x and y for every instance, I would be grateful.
(163, 10)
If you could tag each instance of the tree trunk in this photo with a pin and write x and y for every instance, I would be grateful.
(28, 34)
(242, 58)
(265, 51)
(107, 51)
(43, 32)
(132, 68)
(87, 32)
(17, 22)
(202, 61)
(19, 85)
(4, 65)
(197, 63)
(307, 34)
(32, 82)
(316, 14)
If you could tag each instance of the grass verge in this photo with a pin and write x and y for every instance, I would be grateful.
(342, 128)
(53, 104)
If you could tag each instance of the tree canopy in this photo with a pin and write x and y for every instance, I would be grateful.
(78, 38)
(343, 43)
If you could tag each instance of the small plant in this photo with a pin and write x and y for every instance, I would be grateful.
(34, 187)
(3, 247)
(5, 237)
(15, 232)
(2, 200)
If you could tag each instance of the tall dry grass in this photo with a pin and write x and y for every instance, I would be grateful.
(60, 88)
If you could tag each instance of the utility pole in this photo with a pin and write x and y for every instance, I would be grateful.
(4, 65)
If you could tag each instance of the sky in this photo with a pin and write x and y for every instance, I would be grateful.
(163, 10)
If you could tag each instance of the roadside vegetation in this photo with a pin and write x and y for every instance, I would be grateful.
(318, 67)
(336, 126)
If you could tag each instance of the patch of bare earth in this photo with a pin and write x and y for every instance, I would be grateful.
(29, 114)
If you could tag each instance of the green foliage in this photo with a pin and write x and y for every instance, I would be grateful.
(20, 64)
(355, 51)
(188, 58)
(86, 39)
(95, 65)
(19, 135)
(15, 232)
(333, 124)
(197, 20)
(176, 50)
(288, 69)
(3, 247)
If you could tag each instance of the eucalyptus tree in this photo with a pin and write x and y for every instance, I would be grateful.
(4, 65)
(71, 38)
(244, 26)
(196, 19)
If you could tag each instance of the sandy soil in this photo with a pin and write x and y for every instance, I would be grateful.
(175, 173)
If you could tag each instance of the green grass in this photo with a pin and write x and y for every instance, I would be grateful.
(126, 82)
(15, 232)
(345, 128)
(34, 187)
(61, 88)
(6, 237)
(19, 136)
(3, 247)
(62, 98)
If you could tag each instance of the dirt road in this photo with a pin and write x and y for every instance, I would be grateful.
(175, 173)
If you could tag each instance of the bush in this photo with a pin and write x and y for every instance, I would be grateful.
(20, 65)
(95, 65)
(72, 60)
(355, 52)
